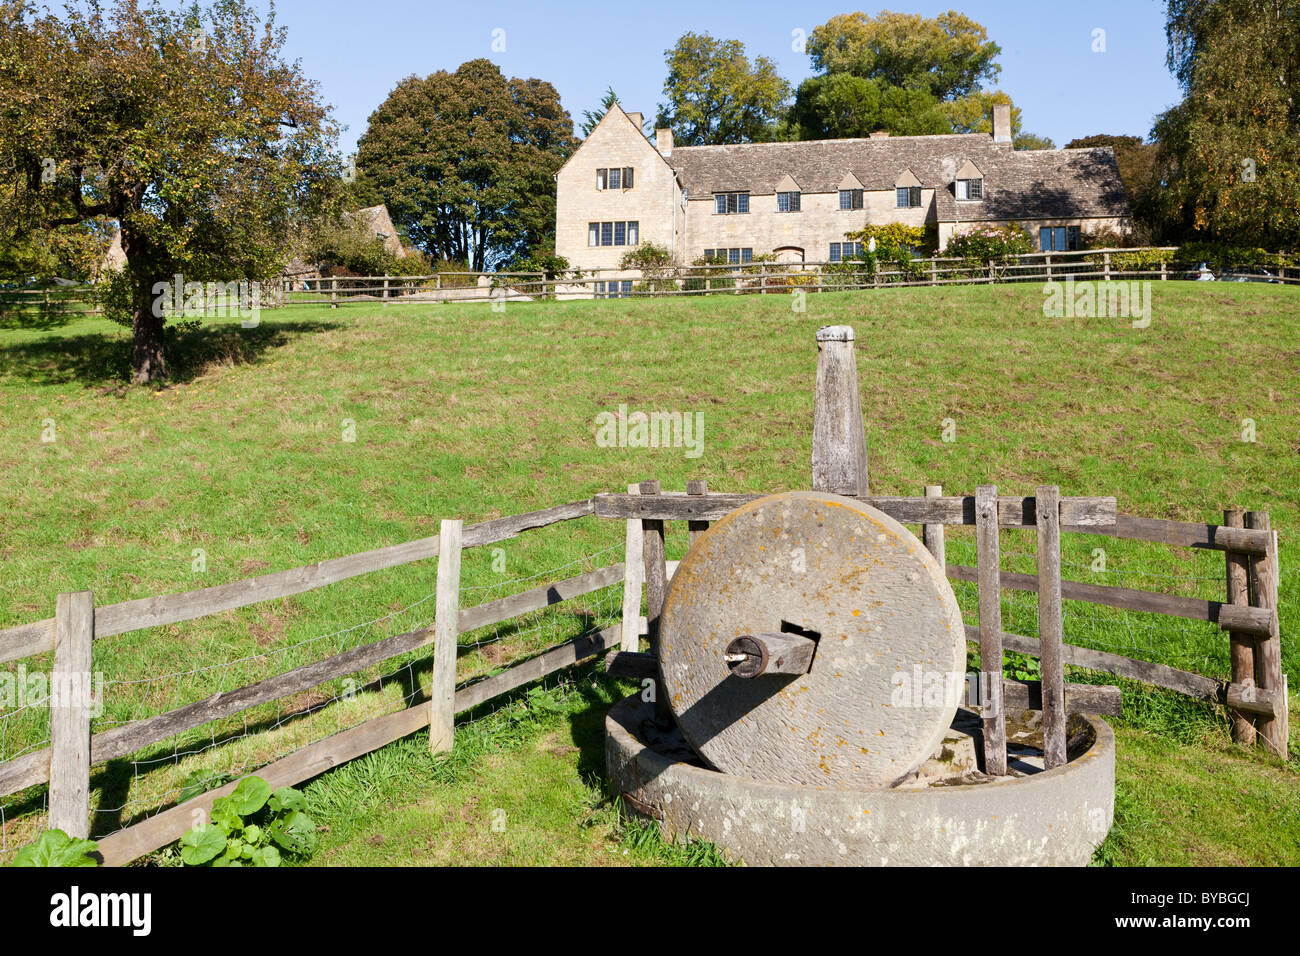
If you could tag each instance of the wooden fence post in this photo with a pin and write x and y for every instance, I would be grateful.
(1105, 258)
(385, 290)
(932, 534)
(1164, 270)
(1047, 509)
(989, 574)
(839, 452)
(446, 622)
(656, 589)
(1241, 646)
(1272, 731)
(334, 292)
(656, 575)
(633, 579)
(1048, 260)
(71, 684)
(697, 528)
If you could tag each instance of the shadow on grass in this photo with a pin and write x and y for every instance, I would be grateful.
(105, 358)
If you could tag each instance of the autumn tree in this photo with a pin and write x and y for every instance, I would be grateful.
(1229, 153)
(189, 128)
(950, 55)
(466, 162)
(973, 113)
(717, 95)
(912, 75)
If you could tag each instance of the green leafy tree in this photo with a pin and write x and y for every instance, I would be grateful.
(904, 73)
(188, 127)
(590, 118)
(69, 252)
(973, 113)
(716, 95)
(466, 161)
(841, 106)
(1229, 154)
(949, 56)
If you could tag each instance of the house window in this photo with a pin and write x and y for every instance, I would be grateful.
(909, 197)
(1058, 238)
(730, 204)
(615, 177)
(614, 289)
(850, 198)
(845, 250)
(731, 256)
(787, 202)
(970, 189)
(614, 233)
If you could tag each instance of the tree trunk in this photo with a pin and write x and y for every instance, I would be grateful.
(147, 362)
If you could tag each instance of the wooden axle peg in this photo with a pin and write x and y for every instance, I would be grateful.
(752, 654)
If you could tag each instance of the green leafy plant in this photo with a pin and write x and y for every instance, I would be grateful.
(56, 848)
(1023, 667)
(250, 827)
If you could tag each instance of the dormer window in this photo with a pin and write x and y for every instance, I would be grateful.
(909, 197)
(788, 202)
(850, 198)
(970, 188)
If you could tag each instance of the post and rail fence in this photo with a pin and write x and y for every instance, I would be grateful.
(1144, 263)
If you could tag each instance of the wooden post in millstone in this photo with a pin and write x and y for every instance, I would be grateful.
(1051, 637)
(989, 575)
(656, 589)
(839, 453)
(1241, 646)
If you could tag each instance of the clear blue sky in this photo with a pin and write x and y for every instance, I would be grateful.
(359, 50)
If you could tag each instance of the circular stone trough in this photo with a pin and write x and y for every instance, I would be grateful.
(1044, 817)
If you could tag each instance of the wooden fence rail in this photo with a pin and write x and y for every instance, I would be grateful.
(37, 638)
(66, 763)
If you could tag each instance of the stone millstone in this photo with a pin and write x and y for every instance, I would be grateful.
(872, 597)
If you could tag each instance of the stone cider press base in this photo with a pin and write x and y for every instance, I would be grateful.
(946, 814)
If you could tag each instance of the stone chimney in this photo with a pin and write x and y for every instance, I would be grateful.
(880, 134)
(637, 119)
(1001, 123)
(664, 141)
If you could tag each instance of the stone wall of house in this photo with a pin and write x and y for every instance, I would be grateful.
(615, 142)
(948, 229)
(819, 222)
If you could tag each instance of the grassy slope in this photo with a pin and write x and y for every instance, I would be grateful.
(460, 411)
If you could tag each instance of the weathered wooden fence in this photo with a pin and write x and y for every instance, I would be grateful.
(739, 278)
(1256, 693)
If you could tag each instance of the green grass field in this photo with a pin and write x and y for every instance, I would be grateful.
(327, 432)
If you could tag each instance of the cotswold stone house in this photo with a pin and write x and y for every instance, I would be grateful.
(799, 199)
